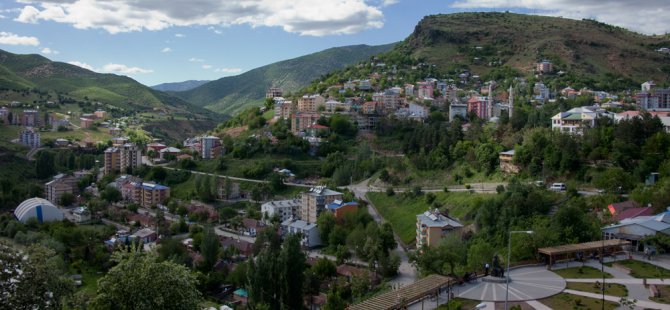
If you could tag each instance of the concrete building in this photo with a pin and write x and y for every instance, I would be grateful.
(120, 158)
(310, 103)
(637, 228)
(432, 226)
(458, 109)
(576, 120)
(302, 120)
(81, 215)
(29, 136)
(314, 202)
(340, 209)
(85, 122)
(30, 118)
(544, 66)
(417, 111)
(100, 114)
(479, 106)
(541, 91)
(274, 92)
(210, 147)
(425, 90)
(61, 184)
(507, 162)
(654, 100)
(146, 194)
(308, 231)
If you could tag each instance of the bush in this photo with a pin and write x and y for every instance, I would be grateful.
(390, 191)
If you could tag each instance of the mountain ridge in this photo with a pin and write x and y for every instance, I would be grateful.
(179, 86)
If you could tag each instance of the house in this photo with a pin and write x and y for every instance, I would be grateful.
(60, 142)
(251, 227)
(30, 137)
(274, 92)
(241, 296)
(302, 120)
(458, 110)
(637, 228)
(544, 66)
(541, 91)
(284, 209)
(424, 90)
(507, 162)
(85, 122)
(59, 123)
(351, 272)
(169, 151)
(120, 141)
(81, 215)
(340, 208)
(316, 130)
(145, 235)
(230, 190)
(633, 212)
(417, 111)
(617, 208)
(100, 114)
(432, 226)
(244, 248)
(364, 85)
(576, 120)
(315, 200)
(155, 147)
(309, 233)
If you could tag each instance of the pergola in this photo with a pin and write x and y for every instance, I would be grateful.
(404, 296)
(568, 250)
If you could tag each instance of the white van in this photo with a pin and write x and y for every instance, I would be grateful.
(558, 187)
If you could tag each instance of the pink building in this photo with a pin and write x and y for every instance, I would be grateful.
(478, 105)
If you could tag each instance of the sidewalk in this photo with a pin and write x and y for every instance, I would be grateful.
(622, 281)
(640, 303)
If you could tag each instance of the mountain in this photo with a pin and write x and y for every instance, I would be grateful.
(233, 94)
(179, 86)
(73, 83)
(481, 42)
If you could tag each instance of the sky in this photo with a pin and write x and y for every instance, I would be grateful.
(158, 41)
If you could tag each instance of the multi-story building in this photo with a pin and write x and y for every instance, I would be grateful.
(315, 200)
(210, 147)
(274, 92)
(154, 194)
(30, 137)
(302, 120)
(120, 158)
(85, 122)
(409, 89)
(458, 109)
(60, 185)
(284, 209)
(390, 100)
(479, 106)
(425, 90)
(119, 141)
(364, 85)
(432, 226)
(417, 111)
(654, 100)
(100, 114)
(575, 120)
(340, 209)
(310, 103)
(544, 66)
(541, 91)
(30, 118)
(4, 115)
(308, 231)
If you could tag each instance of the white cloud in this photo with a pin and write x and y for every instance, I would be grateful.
(207, 67)
(228, 70)
(47, 51)
(123, 69)
(179, 35)
(193, 59)
(649, 18)
(304, 17)
(81, 64)
(13, 39)
(166, 50)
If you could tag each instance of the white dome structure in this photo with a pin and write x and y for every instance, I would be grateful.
(38, 208)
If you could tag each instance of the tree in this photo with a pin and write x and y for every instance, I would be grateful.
(66, 199)
(210, 248)
(33, 279)
(334, 301)
(325, 223)
(291, 275)
(111, 194)
(139, 281)
(324, 269)
(479, 253)
(45, 165)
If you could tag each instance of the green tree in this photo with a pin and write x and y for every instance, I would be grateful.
(210, 248)
(66, 199)
(45, 165)
(334, 301)
(140, 281)
(479, 253)
(111, 194)
(291, 275)
(32, 279)
(326, 224)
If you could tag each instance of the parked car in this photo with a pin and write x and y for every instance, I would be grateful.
(558, 187)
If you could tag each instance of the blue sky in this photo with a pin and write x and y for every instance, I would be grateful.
(156, 41)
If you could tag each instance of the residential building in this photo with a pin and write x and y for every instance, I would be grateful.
(425, 90)
(154, 194)
(251, 227)
(30, 118)
(647, 86)
(59, 123)
(120, 158)
(541, 91)
(409, 90)
(85, 122)
(210, 147)
(283, 209)
(156, 147)
(119, 141)
(301, 120)
(340, 209)
(100, 114)
(61, 184)
(169, 151)
(507, 162)
(544, 66)
(274, 92)
(458, 109)
(29, 136)
(309, 233)
(314, 202)
(310, 103)
(418, 112)
(364, 85)
(637, 228)
(654, 100)
(4, 115)
(575, 120)
(433, 226)
(479, 106)
(333, 106)
(115, 131)
(144, 235)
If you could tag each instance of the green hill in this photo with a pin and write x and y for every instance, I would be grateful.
(22, 72)
(481, 42)
(232, 94)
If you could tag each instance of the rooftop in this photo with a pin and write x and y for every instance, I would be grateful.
(435, 219)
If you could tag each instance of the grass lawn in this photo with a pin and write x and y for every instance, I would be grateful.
(586, 273)
(568, 301)
(401, 210)
(644, 270)
(459, 303)
(90, 280)
(664, 294)
(612, 289)
(101, 134)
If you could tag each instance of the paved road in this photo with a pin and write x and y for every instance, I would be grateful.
(225, 233)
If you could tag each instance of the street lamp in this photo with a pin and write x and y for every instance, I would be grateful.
(509, 250)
